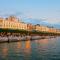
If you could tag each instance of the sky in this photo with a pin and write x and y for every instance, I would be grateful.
(46, 11)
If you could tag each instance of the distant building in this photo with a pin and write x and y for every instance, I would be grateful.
(14, 23)
(29, 27)
(41, 28)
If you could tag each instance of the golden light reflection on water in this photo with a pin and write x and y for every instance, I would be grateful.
(44, 41)
(19, 45)
(27, 46)
(5, 52)
(42, 44)
(30, 49)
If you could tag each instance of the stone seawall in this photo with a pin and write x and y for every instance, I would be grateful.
(23, 38)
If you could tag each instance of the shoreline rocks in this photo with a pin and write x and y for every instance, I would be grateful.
(19, 38)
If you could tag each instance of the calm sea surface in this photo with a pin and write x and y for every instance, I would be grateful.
(43, 49)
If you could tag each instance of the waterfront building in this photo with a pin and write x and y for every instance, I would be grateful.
(38, 28)
(57, 30)
(14, 23)
(29, 27)
(44, 28)
(53, 30)
(41, 28)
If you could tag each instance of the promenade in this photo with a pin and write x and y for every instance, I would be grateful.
(20, 37)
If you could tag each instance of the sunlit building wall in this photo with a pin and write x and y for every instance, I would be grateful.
(29, 27)
(44, 28)
(14, 23)
(41, 28)
(1, 22)
(38, 28)
(57, 30)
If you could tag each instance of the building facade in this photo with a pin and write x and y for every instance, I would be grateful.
(14, 23)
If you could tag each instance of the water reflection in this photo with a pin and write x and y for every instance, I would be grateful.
(43, 49)
(43, 44)
(27, 48)
(18, 45)
(44, 41)
(17, 48)
(4, 52)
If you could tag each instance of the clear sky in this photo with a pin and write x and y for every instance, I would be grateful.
(48, 10)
